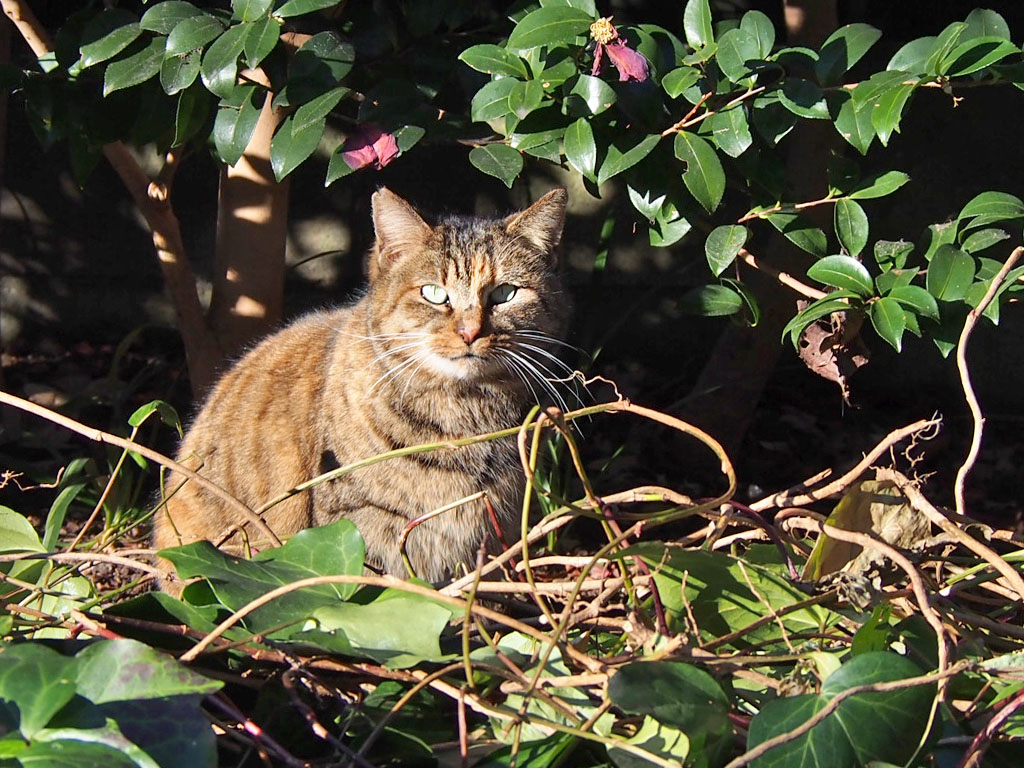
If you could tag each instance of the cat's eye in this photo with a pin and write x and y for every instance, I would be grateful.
(433, 293)
(503, 293)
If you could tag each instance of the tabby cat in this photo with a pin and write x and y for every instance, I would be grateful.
(454, 337)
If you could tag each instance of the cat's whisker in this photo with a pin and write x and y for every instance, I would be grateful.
(511, 366)
(537, 369)
(541, 336)
(392, 351)
(392, 372)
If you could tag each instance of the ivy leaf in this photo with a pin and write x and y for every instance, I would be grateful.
(704, 176)
(549, 26)
(192, 33)
(879, 185)
(842, 50)
(731, 131)
(498, 160)
(123, 670)
(108, 34)
(135, 69)
(889, 321)
(220, 62)
(697, 23)
(851, 226)
(625, 152)
(950, 273)
(580, 149)
(803, 98)
(843, 272)
(723, 245)
(38, 681)
(289, 148)
(164, 17)
(494, 60)
(491, 101)
(918, 299)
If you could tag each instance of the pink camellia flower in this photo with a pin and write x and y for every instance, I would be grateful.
(631, 64)
(369, 144)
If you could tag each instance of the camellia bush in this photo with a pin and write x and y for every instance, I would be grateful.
(823, 640)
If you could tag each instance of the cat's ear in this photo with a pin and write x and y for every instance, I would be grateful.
(541, 224)
(398, 227)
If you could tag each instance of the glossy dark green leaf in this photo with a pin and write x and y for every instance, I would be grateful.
(842, 49)
(192, 33)
(108, 34)
(580, 149)
(704, 176)
(772, 120)
(803, 98)
(939, 235)
(168, 415)
(731, 131)
(868, 92)
(890, 254)
(674, 693)
(260, 40)
(625, 152)
(220, 62)
(879, 185)
(800, 232)
(525, 96)
(888, 318)
(983, 239)
(889, 109)
(982, 22)
(38, 681)
(322, 61)
(236, 122)
(494, 60)
(315, 110)
(851, 225)
(251, 10)
(668, 231)
(950, 273)
(491, 101)
(749, 300)
(895, 278)
(723, 244)
(549, 26)
(135, 69)
(300, 7)
(993, 204)
(843, 272)
(498, 160)
(760, 27)
(837, 301)
(593, 95)
(163, 17)
(976, 54)
(867, 727)
(697, 23)
(945, 42)
(179, 72)
(854, 124)
(679, 79)
(911, 57)
(290, 148)
(711, 301)
(916, 298)
(190, 116)
(736, 48)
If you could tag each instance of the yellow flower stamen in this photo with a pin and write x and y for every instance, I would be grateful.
(602, 31)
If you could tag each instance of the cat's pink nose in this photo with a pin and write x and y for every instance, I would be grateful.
(468, 331)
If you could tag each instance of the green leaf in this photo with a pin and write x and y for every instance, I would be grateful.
(679, 80)
(803, 98)
(867, 727)
(192, 33)
(668, 230)
(549, 26)
(983, 239)
(668, 743)
(843, 272)
(851, 226)
(179, 72)
(590, 96)
(950, 273)
(1000, 205)
(939, 235)
(57, 514)
(498, 160)
(704, 176)
(672, 692)
(772, 120)
(235, 122)
(869, 91)
(842, 50)
(494, 60)
(975, 55)
(315, 110)
(918, 299)
(879, 185)
(854, 124)
(123, 670)
(981, 22)
(722, 246)
(108, 34)
(889, 320)
(624, 152)
(320, 64)
(749, 299)
(135, 69)
(890, 254)
(491, 101)
(17, 533)
(731, 131)
(888, 111)
(260, 40)
(525, 97)
(163, 17)
(38, 681)
(837, 301)
(697, 23)
(251, 10)
(220, 62)
(711, 301)
(580, 149)
(190, 116)
(300, 7)
(332, 549)
(736, 48)
(912, 56)
(799, 231)
(290, 147)
(760, 27)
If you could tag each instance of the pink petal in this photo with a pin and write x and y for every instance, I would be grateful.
(386, 148)
(598, 60)
(369, 144)
(631, 64)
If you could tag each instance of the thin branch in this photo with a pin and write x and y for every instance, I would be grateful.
(783, 277)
